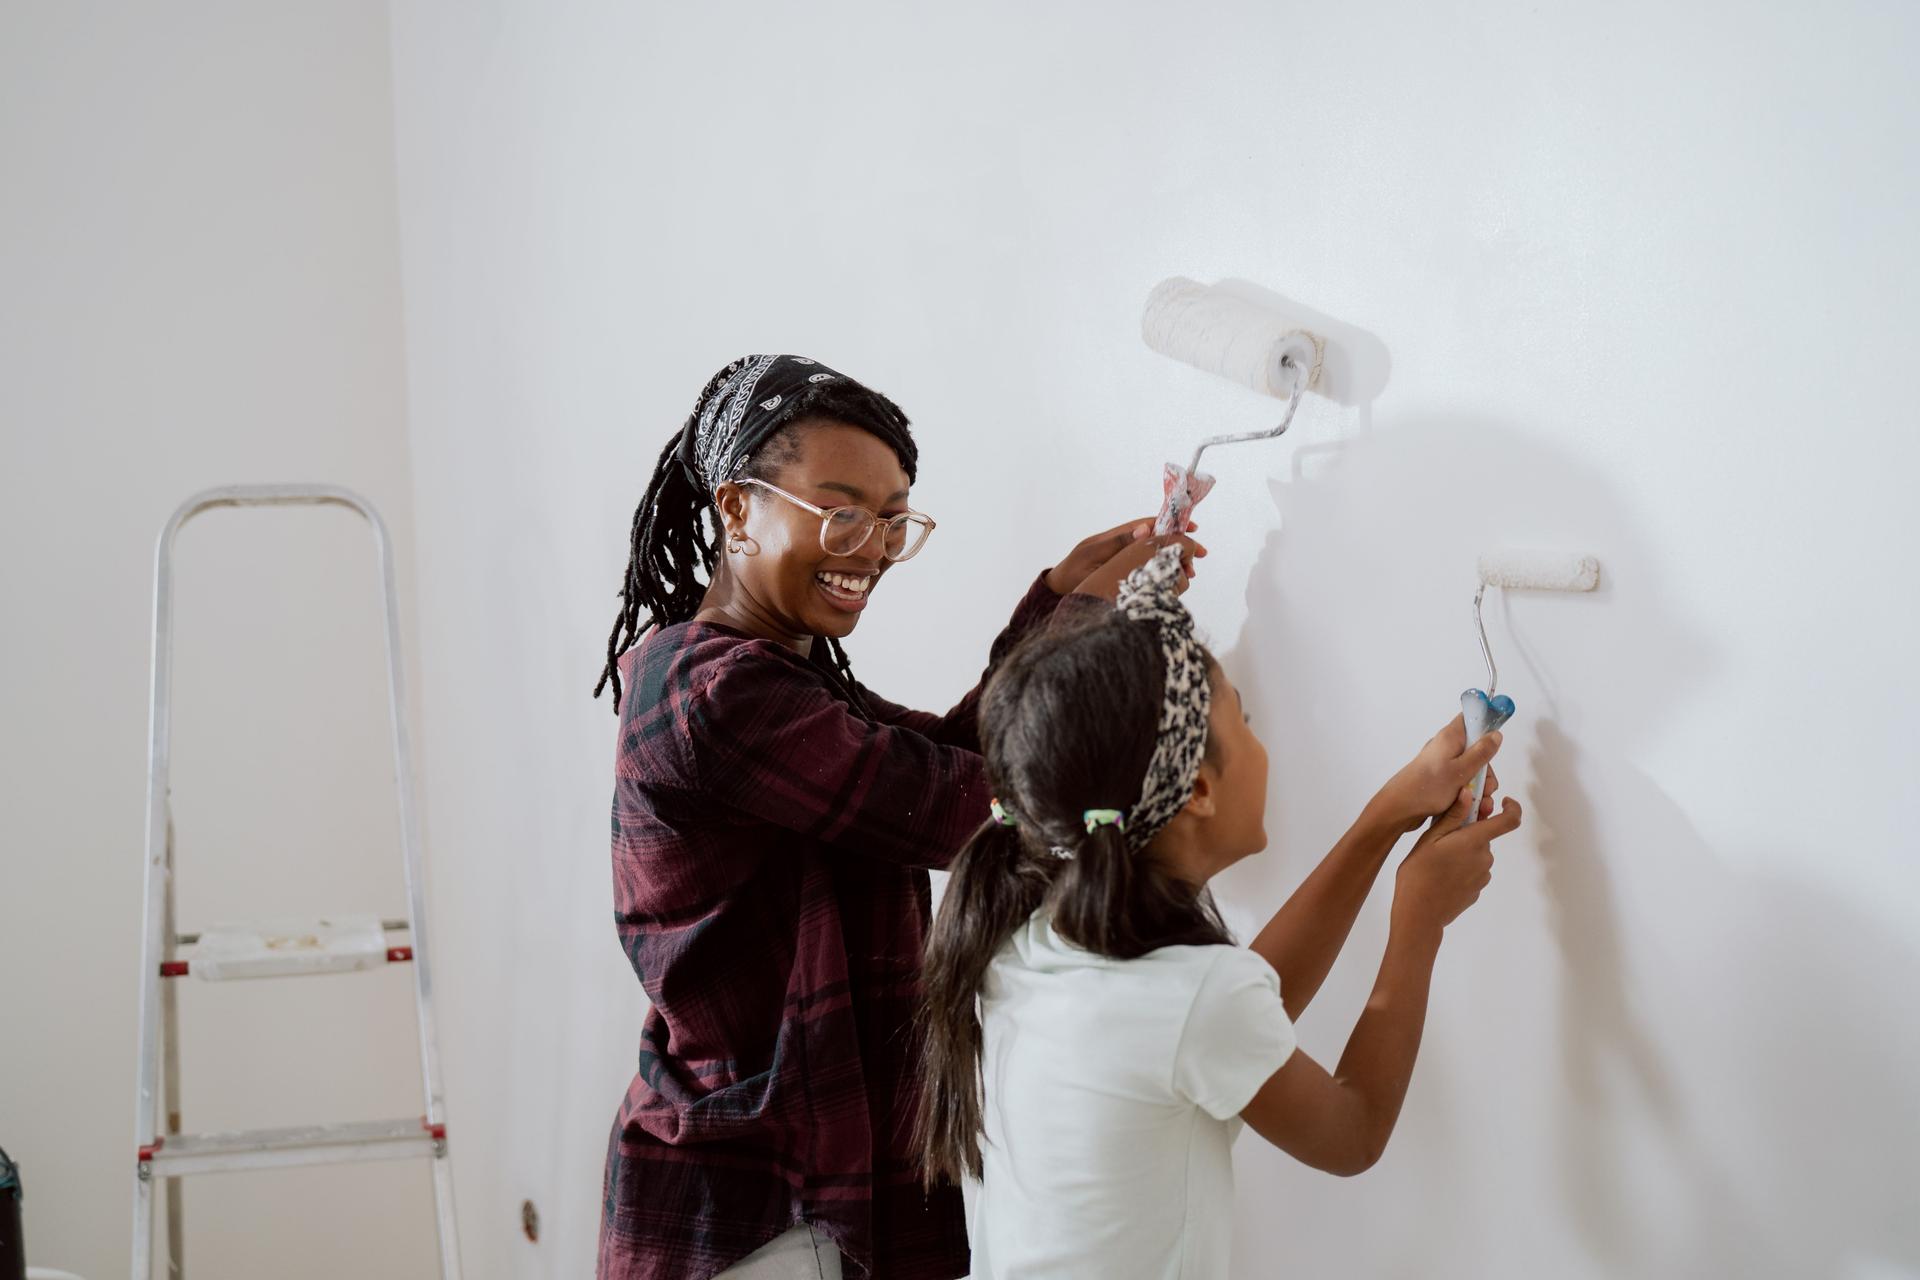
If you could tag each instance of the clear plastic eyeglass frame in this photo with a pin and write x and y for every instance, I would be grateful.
(911, 527)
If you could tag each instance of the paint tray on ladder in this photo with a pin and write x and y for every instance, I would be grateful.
(290, 948)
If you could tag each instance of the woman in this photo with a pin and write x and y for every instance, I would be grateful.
(773, 823)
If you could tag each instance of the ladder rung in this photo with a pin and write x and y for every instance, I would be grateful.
(184, 1153)
(181, 968)
(288, 949)
(391, 925)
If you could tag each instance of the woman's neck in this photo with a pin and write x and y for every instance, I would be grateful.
(728, 605)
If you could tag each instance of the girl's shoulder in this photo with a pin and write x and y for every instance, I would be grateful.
(1037, 947)
(1203, 1024)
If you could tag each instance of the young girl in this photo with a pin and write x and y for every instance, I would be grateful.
(1080, 975)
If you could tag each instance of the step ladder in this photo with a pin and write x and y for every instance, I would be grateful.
(274, 949)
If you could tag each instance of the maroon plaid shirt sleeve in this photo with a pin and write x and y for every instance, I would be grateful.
(778, 744)
(770, 891)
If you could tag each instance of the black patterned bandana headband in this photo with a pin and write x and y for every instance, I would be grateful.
(1151, 593)
(738, 418)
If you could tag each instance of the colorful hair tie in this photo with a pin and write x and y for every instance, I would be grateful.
(1000, 814)
(1104, 818)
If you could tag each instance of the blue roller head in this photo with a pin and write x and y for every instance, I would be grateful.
(1484, 714)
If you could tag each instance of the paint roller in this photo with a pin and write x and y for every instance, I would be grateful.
(1245, 335)
(1485, 710)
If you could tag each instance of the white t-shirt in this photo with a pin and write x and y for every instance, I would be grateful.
(1113, 1095)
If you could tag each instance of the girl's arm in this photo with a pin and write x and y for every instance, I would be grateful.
(1306, 934)
(1340, 1123)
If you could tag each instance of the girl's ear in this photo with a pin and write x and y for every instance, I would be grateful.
(1204, 802)
(730, 500)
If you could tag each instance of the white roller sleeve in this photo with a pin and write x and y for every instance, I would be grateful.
(1540, 571)
(1229, 336)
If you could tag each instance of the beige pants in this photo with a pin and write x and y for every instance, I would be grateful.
(801, 1254)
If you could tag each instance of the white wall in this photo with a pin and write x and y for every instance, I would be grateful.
(199, 284)
(1646, 274)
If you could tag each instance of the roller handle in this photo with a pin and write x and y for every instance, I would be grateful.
(1173, 513)
(1183, 490)
(1482, 715)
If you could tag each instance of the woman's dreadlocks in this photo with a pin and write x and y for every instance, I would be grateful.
(677, 531)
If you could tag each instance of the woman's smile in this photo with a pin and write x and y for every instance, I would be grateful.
(847, 591)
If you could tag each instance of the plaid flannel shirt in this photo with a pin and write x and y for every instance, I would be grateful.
(770, 855)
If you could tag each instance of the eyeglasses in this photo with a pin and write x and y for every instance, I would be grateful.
(844, 530)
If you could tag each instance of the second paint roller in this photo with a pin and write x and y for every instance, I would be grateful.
(1485, 710)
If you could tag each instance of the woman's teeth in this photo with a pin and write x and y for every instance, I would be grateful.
(846, 584)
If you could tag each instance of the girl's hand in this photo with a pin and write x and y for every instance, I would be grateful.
(1433, 778)
(1105, 581)
(1449, 866)
(1092, 553)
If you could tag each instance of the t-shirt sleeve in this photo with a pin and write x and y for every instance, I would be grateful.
(1237, 1034)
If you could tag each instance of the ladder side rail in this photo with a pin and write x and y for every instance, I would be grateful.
(415, 870)
(176, 1190)
(158, 871)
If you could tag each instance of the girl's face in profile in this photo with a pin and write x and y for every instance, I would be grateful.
(1238, 762)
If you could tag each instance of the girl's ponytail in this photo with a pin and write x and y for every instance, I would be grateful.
(1118, 902)
(996, 883)
(1095, 915)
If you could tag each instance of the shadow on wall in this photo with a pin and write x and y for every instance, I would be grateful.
(1645, 1058)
